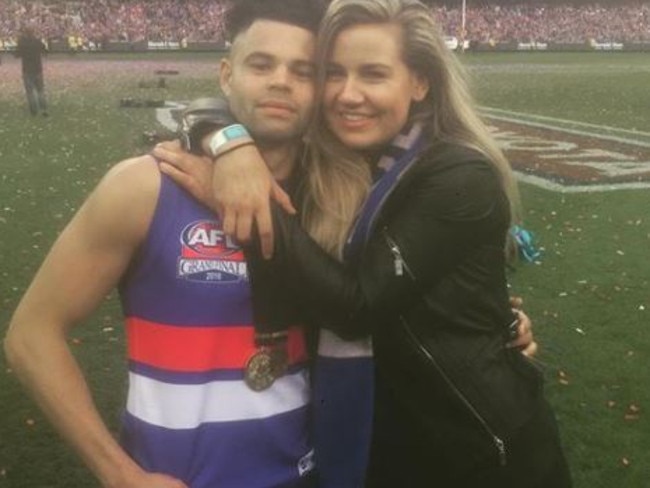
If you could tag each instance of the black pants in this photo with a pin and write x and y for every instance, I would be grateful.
(534, 460)
(35, 91)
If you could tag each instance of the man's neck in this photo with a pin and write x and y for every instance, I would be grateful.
(280, 159)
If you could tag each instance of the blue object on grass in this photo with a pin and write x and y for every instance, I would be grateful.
(525, 243)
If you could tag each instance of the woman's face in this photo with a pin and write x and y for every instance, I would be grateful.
(369, 89)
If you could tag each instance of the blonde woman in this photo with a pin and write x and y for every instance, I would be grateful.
(425, 256)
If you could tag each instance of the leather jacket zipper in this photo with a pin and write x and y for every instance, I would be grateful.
(400, 267)
(398, 260)
(498, 442)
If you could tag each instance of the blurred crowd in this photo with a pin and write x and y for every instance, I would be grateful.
(96, 21)
(563, 24)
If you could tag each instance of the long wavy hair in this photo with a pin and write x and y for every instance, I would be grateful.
(338, 179)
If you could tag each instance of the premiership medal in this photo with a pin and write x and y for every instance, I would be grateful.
(265, 366)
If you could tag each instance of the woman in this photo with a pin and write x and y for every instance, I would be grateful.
(424, 263)
(425, 273)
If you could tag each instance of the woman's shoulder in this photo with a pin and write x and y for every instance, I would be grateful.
(458, 181)
(450, 165)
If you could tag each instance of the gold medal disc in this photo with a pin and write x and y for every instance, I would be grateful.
(264, 367)
(258, 374)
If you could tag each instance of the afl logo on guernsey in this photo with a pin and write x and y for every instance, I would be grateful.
(208, 255)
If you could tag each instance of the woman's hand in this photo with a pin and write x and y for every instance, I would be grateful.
(238, 187)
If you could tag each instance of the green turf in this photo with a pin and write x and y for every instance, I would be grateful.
(607, 89)
(589, 297)
(590, 300)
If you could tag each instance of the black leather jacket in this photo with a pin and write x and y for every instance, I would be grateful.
(431, 289)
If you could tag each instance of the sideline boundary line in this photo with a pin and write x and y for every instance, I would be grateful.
(164, 114)
(569, 126)
(583, 129)
(560, 188)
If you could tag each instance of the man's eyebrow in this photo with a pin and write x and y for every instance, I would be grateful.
(258, 55)
(264, 56)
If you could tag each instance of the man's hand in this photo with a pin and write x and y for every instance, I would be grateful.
(516, 302)
(524, 340)
(241, 189)
(154, 480)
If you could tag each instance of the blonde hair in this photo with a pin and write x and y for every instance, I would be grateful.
(338, 179)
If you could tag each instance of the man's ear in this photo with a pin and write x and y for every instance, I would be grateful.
(225, 75)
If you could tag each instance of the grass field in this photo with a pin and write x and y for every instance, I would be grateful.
(589, 296)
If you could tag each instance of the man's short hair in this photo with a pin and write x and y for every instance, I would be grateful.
(300, 13)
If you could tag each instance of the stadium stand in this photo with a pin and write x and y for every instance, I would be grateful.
(88, 25)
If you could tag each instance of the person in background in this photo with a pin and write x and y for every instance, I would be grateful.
(31, 49)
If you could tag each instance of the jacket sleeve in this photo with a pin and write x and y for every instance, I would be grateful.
(441, 217)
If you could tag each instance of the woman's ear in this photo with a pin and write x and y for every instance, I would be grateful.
(419, 88)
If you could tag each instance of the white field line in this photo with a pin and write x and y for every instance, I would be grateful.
(603, 132)
(164, 114)
(573, 188)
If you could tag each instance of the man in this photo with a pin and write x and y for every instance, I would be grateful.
(30, 49)
(203, 410)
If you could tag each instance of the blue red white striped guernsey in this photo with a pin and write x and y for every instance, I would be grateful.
(188, 313)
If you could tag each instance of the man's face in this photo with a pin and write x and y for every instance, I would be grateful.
(269, 80)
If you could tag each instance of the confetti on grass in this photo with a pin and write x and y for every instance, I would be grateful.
(563, 378)
(633, 412)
